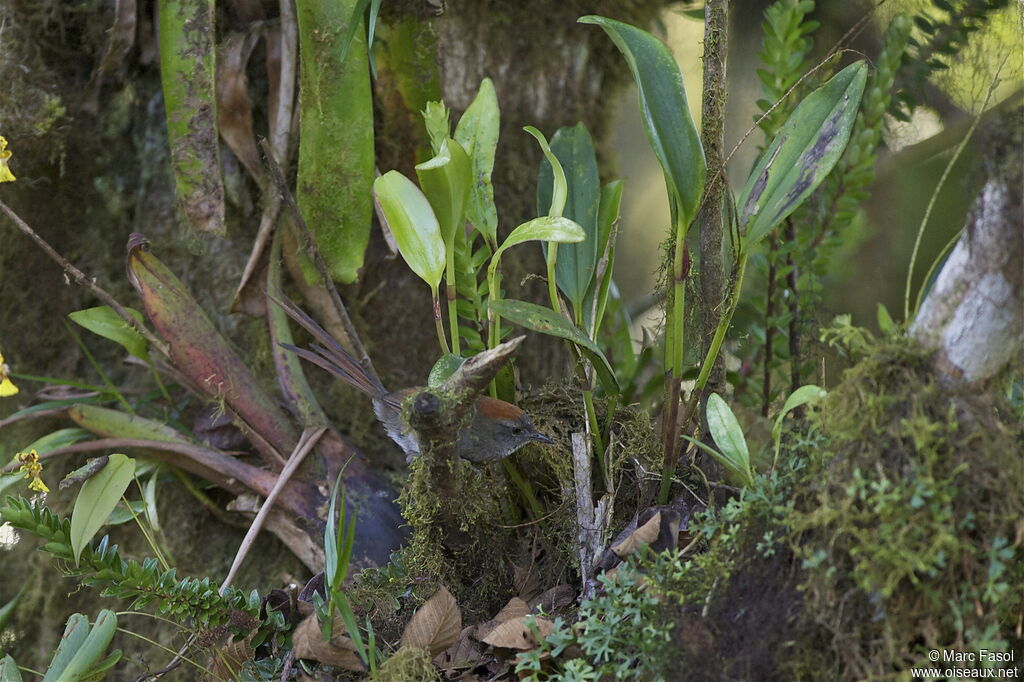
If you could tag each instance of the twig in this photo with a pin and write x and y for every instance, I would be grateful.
(84, 281)
(307, 440)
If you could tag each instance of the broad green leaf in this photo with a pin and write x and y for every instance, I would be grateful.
(414, 225)
(728, 435)
(188, 73)
(802, 154)
(98, 497)
(574, 150)
(9, 670)
(547, 321)
(336, 154)
(797, 398)
(104, 322)
(104, 421)
(666, 115)
(446, 180)
(736, 470)
(477, 132)
(545, 228)
(93, 647)
(444, 368)
(124, 513)
(60, 438)
(75, 633)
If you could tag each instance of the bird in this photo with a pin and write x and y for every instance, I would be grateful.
(496, 428)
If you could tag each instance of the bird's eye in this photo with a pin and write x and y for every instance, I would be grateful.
(516, 430)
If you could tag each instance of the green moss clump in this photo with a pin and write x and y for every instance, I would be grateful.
(409, 664)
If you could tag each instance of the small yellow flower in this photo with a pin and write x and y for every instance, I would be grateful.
(5, 172)
(7, 387)
(32, 468)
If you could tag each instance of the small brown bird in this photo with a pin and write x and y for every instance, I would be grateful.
(497, 428)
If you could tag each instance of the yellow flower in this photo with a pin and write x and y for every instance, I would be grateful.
(32, 468)
(7, 387)
(5, 172)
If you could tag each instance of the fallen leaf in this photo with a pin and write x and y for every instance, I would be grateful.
(557, 597)
(645, 534)
(436, 625)
(515, 634)
(515, 608)
(339, 651)
(465, 653)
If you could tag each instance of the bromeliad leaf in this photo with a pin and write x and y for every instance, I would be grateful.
(574, 150)
(803, 153)
(103, 321)
(547, 321)
(98, 497)
(414, 225)
(667, 120)
(477, 132)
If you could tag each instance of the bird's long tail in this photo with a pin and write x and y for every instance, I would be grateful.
(328, 353)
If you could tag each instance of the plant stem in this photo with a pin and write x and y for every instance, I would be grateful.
(552, 285)
(524, 488)
(436, 305)
(451, 294)
(723, 325)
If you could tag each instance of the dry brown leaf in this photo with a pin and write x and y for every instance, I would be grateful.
(339, 652)
(436, 625)
(553, 599)
(515, 608)
(465, 653)
(234, 108)
(645, 534)
(226, 660)
(514, 633)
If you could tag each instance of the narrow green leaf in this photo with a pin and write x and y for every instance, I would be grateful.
(545, 228)
(797, 398)
(729, 436)
(802, 154)
(885, 321)
(98, 497)
(547, 321)
(574, 150)
(75, 633)
(187, 71)
(444, 368)
(666, 114)
(93, 647)
(103, 321)
(9, 670)
(99, 671)
(607, 214)
(477, 132)
(414, 225)
(330, 535)
(61, 438)
(7, 609)
(559, 185)
(736, 471)
(446, 180)
(110, 423)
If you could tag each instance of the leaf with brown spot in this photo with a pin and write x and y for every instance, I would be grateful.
(436, 625)
(234, 108)
(339, 651)
(515, 634)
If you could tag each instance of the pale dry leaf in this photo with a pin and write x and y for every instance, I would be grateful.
(465, 653)
(234, 107)
(436, 625)
(515, 634)
(644, 535)
(515, 608)
(339, 651)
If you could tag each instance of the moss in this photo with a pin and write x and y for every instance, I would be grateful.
(409, 664)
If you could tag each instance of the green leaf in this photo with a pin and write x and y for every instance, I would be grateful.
(414, 225)
(103, 321)
(545, 228)
(797, 398)
(7, 609)
(607, 214)
(93, 647)
(885, 321)
(729, 437)
(436, 120)
(98, 497)
(477, 132)
(446, 180)
(547, 321)
(574, 150)
(802, 154)
(9, 670)
(559, 184)
(124, 513)
(60, 438)
(75, 633)
(666, 115)
(444, 368)
(736, 471)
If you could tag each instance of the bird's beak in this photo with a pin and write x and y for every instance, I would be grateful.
(541, 438)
